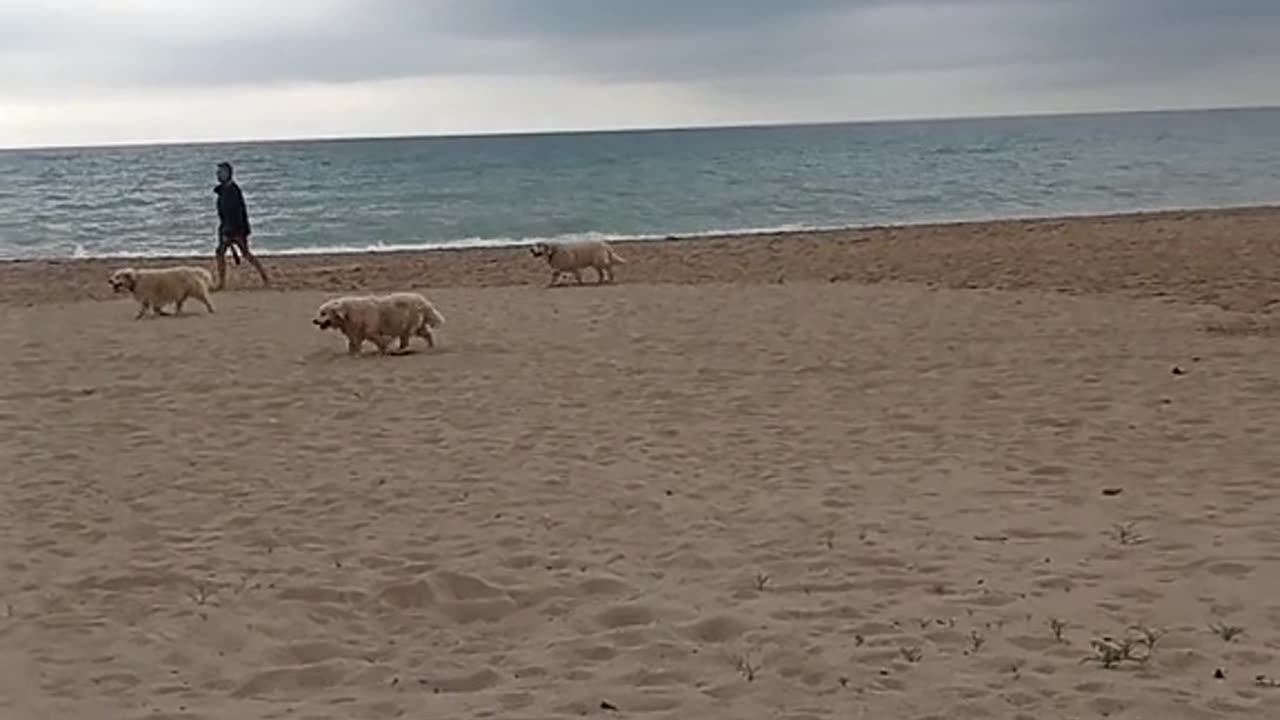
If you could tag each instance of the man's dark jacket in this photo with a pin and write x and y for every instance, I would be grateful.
(233, 217)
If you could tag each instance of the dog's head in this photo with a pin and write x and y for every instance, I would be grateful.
(540, 249)
(332, 314)
(124, 280)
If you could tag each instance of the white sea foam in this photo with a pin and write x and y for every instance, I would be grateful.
(79, 251)
(265, 248)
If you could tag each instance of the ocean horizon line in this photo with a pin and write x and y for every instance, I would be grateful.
(638, 130)
(465, 244)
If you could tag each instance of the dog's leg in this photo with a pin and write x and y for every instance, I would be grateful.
(142, 311)
(426, 335)
(599, 274)
(208, 305)
(177, 307)
(577, 275)
(404, 342)
(555, 275)
(381, 342)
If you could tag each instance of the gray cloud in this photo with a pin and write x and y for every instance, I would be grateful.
(1021, 43)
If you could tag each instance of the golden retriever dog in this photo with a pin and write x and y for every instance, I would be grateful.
(379, 319)
(574, 257)
(155, 288)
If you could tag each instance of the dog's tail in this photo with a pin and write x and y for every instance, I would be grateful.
(206, 276)
(434, 317)
(615, 257)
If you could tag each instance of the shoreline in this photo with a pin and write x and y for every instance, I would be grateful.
(470, 244)
(1224, 257)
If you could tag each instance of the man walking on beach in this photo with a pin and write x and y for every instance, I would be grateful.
(233, 226)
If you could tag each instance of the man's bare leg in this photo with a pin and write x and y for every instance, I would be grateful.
(253, 260)
(220, 260)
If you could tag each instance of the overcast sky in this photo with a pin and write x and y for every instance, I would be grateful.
(103, 71)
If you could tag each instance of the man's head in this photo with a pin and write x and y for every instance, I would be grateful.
(224, 172)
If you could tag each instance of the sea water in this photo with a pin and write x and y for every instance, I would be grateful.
(386, 194)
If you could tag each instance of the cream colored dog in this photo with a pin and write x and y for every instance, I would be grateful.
(574, 257)
(154, 288)
(380, 319)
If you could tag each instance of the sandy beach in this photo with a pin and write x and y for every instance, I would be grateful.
(918, 473)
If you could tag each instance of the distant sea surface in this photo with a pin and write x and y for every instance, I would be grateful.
(391, 194)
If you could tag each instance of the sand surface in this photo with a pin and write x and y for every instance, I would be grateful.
(835, 496)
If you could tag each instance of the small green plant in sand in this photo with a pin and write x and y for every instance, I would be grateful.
(1110, 653)
(1149, 637)
(911, 653)
(200, 594)
(1126, 533)
(976, 641)
(762, 581)
(1228, 633)
(246, 583)
(1058, 627)
(747, 667)
(1138, 646)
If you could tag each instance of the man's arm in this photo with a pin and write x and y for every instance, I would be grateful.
(242, 212)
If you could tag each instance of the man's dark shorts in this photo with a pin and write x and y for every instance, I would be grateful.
(238, 243)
